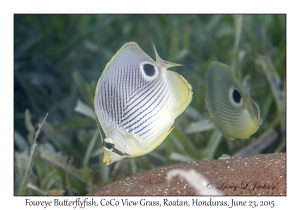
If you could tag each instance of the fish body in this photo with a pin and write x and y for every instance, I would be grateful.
(232, 110)
(137, 101)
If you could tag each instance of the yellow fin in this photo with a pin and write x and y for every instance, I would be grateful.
(182, 91)
(161, 139)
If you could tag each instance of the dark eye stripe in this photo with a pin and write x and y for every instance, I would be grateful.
(109, 145)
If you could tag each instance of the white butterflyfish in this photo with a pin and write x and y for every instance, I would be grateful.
(137, 101)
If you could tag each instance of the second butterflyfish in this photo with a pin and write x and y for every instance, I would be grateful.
(232, 110)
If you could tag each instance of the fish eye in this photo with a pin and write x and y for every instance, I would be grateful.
(236, 96)
(109, 145)
(149, 71)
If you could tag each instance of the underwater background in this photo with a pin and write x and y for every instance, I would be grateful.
(58, 60)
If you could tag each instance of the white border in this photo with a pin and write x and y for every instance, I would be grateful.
(8, 8)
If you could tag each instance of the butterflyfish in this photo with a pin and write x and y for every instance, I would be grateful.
(230, 107)
(137, 101)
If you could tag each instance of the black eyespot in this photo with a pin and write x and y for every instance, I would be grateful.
(236, 96)
(149, 69)
(108, 145)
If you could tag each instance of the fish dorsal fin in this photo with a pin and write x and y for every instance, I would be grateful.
(163, 63)
(246, 86)
(247, 90)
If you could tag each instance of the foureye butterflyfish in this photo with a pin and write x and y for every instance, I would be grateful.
(137, 101)
(232, 110)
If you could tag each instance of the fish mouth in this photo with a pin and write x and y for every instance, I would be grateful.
(110, 157)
